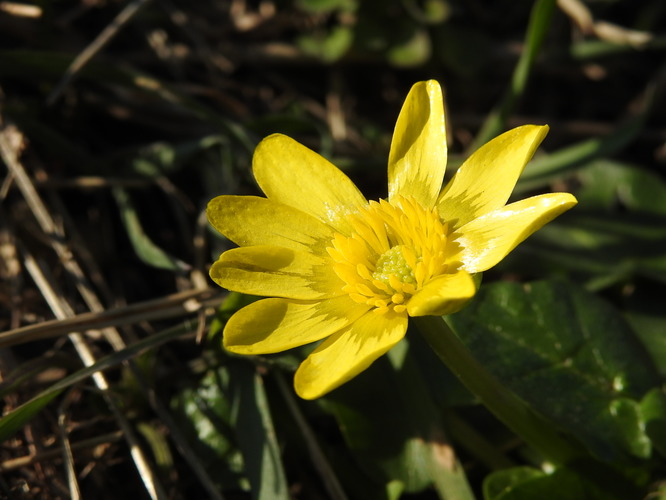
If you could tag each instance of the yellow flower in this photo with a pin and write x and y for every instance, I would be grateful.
(349, 271)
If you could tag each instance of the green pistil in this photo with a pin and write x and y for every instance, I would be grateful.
(393, 263)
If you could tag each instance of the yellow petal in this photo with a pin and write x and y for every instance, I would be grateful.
(274, 325)
(417, 159)
(485, 181)
(277, 272)
(250, 220)
(348, 352)
(487, 240)
(292, 174)
(445, 294)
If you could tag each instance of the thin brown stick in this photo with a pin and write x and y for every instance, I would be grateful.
(175, 305)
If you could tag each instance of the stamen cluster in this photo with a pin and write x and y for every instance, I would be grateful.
(393, 250)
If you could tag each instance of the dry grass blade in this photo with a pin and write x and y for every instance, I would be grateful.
(175, 305)
(63, 310)
(68, 457)
(181, 304)
(50, 454)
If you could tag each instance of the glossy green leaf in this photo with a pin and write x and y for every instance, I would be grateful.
(500, 483)
(18, 417)
(159, 445)
(527, 483)
(569, 355)
(645, 313)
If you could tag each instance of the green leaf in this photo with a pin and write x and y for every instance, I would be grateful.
(569, 355)
(164, 158)
(228, 416)
(252, 420)
(158, 443)
(328, 46)
(322, 6)
(412, 52)
(204, 412)
(605, 183)
(15, 420)
(526, 483)
(144, 247)
(645, 313)
(394, 429)
(500, 483)
(546, 168)
(653, 408)
(596, 246)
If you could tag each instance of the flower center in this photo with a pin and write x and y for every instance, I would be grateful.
(393, 250)
(393, 263)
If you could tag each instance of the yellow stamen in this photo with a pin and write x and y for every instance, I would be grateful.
(393, 250)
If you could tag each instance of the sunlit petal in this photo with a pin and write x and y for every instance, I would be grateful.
(348, 352)
(487, 240)
(292, 174)
(417, 159)
(445, 294)
(250, 220)
(485, 181)
(274, 325)
(277, 272)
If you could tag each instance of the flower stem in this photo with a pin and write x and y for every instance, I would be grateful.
(506, 406)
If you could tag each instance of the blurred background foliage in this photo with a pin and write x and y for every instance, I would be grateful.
(120, 120)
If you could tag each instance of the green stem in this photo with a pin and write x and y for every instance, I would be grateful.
(506, 406)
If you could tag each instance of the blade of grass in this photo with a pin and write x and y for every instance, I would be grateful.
(546, 168)
(97, 44)
(144, 247)
(537, 28)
